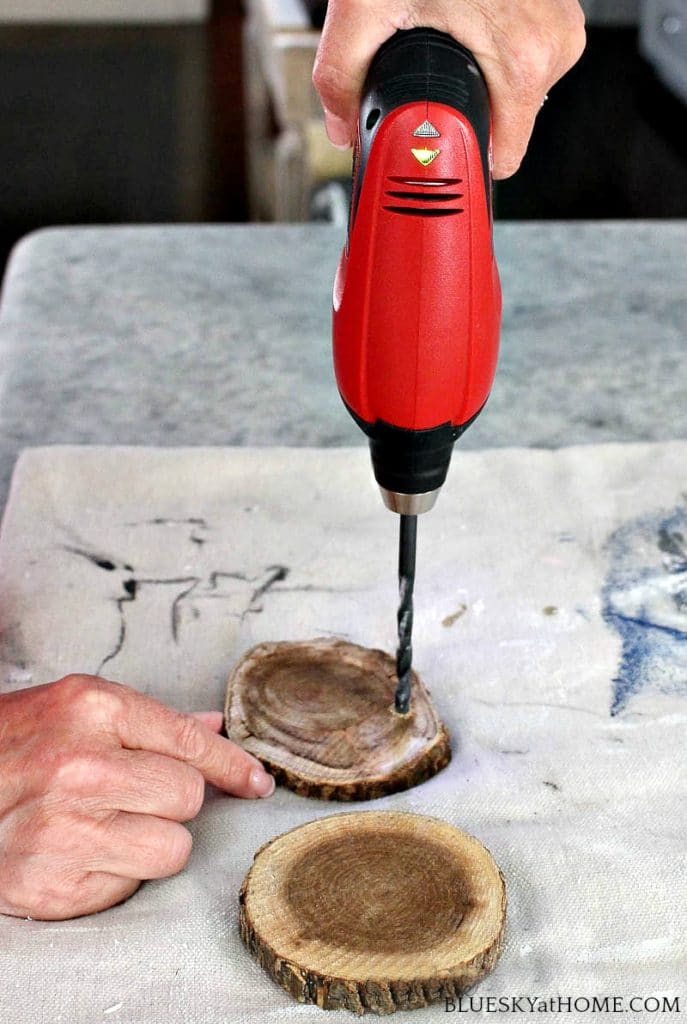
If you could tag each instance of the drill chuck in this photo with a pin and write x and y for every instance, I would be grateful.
(410, 466)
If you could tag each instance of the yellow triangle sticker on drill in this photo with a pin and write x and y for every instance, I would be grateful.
(425, 156)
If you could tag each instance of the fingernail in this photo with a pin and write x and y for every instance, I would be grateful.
(338, 132)
(262, 783)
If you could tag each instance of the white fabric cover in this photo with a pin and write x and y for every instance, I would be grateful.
(563, 681)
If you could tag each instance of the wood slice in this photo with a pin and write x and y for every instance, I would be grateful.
(374, 911)
(320, 716)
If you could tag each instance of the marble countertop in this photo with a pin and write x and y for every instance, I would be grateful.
(221, 336)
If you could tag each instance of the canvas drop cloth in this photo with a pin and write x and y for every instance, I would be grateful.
(551, 628)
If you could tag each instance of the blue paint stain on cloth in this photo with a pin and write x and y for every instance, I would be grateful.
(645, 601)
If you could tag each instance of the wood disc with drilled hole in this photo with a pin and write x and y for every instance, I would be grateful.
(374, 911)
(320, 716)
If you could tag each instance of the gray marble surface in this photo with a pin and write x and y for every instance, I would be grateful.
(221, 335)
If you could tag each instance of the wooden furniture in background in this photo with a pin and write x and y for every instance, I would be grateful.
(120, 123)
(287, 152)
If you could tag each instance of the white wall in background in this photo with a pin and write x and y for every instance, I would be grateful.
(132, 11)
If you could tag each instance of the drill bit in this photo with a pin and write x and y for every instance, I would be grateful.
(406, 580)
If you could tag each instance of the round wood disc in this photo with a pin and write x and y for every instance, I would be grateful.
(320, 715)
(374, 911)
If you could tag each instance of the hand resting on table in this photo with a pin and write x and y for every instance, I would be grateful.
(95, 780)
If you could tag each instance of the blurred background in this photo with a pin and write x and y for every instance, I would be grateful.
(142, 111)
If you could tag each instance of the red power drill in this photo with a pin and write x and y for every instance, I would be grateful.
(417, 300)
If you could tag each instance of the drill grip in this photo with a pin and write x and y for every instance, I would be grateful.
(422, 64)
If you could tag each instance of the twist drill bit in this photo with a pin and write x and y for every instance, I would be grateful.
(406, 580)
